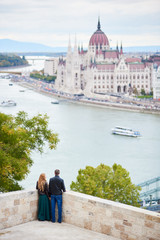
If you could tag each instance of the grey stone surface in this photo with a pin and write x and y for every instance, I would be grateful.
(37, 230)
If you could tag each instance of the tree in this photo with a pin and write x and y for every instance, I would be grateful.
(112, 183)
(135, 91)
(151, 92)
(19, 136)
(143, 92)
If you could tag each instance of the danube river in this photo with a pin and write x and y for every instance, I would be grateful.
(85, 137)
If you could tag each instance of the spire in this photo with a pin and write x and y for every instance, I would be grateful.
(117, 47)
(75, 45)
(99, 25)
(81, 47)
(69, 45)
(121, 51)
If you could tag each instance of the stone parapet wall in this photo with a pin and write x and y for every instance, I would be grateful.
(111, 218)
(96, 214)
(18, 207)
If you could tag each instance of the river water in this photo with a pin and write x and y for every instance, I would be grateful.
(85, 137)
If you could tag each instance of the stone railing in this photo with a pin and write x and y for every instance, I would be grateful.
(96, 214)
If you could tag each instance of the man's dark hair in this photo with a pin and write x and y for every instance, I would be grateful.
(57, 172)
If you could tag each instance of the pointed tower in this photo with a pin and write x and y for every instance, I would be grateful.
(117, 47)
(75, 46)
(121, 50)
(69, 52)
(68, 65)
(81, 48)
(76, 68)
(99, 25)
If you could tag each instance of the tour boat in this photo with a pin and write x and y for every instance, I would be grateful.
(55, 102)
(8, 103)
(125, 132)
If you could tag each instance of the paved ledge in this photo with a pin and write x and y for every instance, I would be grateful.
(87, 214)
(36, 230)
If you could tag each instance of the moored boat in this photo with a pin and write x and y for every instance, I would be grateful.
(125, 132)
(9, 103)
(55, 102)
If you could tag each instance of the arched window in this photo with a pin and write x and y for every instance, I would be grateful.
(142, 77)
(103, 77)
(134, 77)
(125, 89)
(138, 77)
(111, 76)
(95, 78)
(119, 89)
(99, 77)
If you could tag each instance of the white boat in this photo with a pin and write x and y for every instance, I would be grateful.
(125, 132)
(8, 103)
(55, 102)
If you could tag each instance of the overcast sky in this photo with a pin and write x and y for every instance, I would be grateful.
(50, 22)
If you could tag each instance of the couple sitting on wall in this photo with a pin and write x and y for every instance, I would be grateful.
(54, 192)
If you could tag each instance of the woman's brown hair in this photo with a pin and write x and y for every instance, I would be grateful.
(41, 182)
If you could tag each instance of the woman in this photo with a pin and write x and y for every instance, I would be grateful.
(44, 203)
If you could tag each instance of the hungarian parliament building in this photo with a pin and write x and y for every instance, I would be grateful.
(102, 70)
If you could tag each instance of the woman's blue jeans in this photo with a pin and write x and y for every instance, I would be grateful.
(58, 199)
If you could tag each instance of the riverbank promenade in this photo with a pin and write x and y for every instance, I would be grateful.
(38, 230)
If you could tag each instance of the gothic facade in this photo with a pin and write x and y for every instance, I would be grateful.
(101, 69)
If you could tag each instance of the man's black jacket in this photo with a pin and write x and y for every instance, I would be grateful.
(56, 186)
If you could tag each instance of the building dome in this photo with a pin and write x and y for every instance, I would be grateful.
(99, 38)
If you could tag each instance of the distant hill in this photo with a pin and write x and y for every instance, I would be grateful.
(8, 45)
(142, 49)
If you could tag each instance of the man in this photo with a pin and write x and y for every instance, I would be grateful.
(56, 188)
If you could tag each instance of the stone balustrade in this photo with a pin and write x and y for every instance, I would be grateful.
(96, 214)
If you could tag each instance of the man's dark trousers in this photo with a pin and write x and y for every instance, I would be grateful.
(58, 199)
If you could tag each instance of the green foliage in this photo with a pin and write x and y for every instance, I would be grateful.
(146, 96)
(18, 137)
(112, 183)
(143, 92)
(9, 61)
(42, 77)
